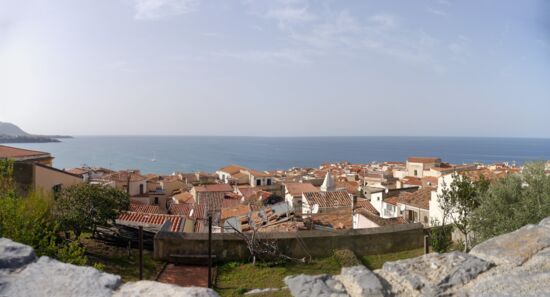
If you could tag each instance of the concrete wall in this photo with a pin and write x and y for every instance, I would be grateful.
(229, 247)
(361, 222)
(418, 167)
(46, 178)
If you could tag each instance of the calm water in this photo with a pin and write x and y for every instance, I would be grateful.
(190, 153)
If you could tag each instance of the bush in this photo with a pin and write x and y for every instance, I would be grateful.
(346, 258)
(29, 220)
(440, 237)
(72, 253)
(99, 266)
(513, 202)
(84, 207)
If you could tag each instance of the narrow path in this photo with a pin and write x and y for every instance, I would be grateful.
(186, 275)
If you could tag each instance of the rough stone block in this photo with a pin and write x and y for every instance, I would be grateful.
(433, 274)
(360, 281)
(154, 289)
(545, 222)
(14, 255)
(514, 248)
(318, 285)
(517, 282)
(47, 277)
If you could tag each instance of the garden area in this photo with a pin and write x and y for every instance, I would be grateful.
(235, 279)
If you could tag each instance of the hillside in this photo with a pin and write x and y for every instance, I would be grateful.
(10, 129)
(10, 133)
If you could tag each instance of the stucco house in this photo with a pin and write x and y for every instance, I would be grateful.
(33, 171)
(130, 181)
(293, 194)
(319, 202)
(363, 219)
(414, 207)
(382, 200)
(416, 166)
(226, 174)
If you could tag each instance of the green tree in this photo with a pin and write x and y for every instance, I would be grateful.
(29, 220)
(512, 202)
(7, 184)
(460, 199)
(440, 237)
(84, 207)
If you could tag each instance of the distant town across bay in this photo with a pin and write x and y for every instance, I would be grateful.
(166, 154)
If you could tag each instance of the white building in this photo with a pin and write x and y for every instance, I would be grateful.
(293, 194)
(416, 166)
(328, 184)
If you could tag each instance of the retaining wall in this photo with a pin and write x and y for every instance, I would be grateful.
(314, 243)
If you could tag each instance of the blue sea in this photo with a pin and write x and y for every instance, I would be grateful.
(205, 153)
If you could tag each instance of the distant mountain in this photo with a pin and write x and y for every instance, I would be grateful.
(10, 129)
(10, 133)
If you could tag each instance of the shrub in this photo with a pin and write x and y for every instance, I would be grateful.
(346, 258)
(440, 237)
(29, 220)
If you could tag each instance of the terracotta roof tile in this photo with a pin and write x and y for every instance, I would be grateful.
(9, 152)
(144, 208)
(381, 221)
(365, 204)
(329, 199)
(152, 219)
(424, 160)
(420, 198)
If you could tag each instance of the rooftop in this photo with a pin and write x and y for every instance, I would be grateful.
(9, 152)
(329, 199)
(424, 160)
(296, 189)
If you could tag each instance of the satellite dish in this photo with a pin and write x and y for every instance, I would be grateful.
(315, 208)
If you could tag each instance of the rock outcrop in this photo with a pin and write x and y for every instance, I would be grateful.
(22, 274)
(513, 264)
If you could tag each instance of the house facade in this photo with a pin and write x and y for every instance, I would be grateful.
(293, 194)
(416, 166)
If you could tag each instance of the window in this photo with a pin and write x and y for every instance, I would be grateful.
(415, 172)
(157, 200)
(269, 181)
(412, 216)
(425, 219)
(56, 190)
(141, 189)
(258, 182)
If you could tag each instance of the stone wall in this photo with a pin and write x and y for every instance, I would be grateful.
(22, 274)
(513, 264)
(229, 247)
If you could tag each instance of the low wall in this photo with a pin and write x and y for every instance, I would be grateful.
(315, 243)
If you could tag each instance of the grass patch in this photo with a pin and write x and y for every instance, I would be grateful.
(376, 261)
(116, 260)
(236, 278)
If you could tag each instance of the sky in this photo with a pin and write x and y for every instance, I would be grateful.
(276, 68)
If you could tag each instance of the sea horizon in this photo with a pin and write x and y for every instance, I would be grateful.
(164, 154)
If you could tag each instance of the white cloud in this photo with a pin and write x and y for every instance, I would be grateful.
(460, 46)
(328, 32)
(290, 14)
(437, 12)
(268, 56)
(384, 21)
(156, 9)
